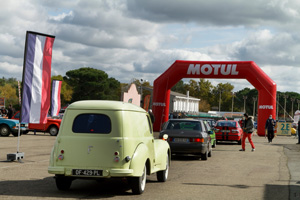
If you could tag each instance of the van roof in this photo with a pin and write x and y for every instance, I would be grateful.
(104, 105)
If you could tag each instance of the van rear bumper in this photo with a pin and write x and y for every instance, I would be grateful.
(106, 173)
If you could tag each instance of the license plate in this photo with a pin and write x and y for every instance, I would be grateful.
(225, 131)
(181, 140)
(86, 172)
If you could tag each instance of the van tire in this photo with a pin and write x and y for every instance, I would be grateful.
(63, 183)
(4, 130)
(162, 176)
(53, 130)
(138, 184)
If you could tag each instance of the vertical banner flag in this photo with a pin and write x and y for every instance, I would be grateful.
(36, 77)
(55, 97)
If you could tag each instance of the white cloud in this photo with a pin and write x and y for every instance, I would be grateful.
(141, 39)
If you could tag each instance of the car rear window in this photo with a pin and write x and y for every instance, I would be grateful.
(92, 123)
(227, 124)
(183, 125)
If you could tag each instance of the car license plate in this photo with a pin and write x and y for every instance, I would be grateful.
(225, 131)
(181, 140)
(86, 172)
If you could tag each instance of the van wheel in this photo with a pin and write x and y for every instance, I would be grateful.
(63, 183)
(138, 184)
(4, 130)
(162, 176)
(53, 130)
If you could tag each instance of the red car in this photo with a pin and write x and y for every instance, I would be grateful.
(52, 126)
(228, 130)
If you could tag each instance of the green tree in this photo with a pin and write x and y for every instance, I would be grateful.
(226, 96)
(92, 84)
(9, 92)
(179, 87)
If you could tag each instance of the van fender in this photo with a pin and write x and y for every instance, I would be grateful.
(162, 148)
(139, 159)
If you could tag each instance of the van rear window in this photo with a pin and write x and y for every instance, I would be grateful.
(92, 123)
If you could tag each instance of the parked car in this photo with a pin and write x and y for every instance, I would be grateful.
(188, 136)
(11, 126)
(255, 124)
(52, 126)
(104, 139)
(228, 130)
(207, 123)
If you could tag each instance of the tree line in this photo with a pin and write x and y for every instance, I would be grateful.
(91, 84)
(244, 100)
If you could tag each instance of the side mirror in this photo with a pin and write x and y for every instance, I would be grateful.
(165, 137)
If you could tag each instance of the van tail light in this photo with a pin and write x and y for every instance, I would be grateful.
(201, 140)
(61, 156)
(235, 131)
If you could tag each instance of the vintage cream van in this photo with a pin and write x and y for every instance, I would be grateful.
(103, 139)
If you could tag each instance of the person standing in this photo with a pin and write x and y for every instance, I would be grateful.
(248, 130)
(10, 111)
(270, 127)
(298, 131)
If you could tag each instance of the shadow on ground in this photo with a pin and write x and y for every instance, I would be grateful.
(80, 188)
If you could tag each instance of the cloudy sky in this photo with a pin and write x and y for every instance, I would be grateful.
(140, 38)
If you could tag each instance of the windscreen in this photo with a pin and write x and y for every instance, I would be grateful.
(184, 125)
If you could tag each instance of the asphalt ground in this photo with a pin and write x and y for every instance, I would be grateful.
(271, 172)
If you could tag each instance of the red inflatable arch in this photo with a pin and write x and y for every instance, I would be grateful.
(265, 86)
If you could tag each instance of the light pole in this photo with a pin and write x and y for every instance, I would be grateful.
(233, 94)
(244, 97)
(254, 100)
(285, 97)
(220, 101)
(277, 104)
(293, 99)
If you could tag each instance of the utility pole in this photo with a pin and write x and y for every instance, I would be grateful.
(292, 99)
(285, 97)
(233, 94)
(220, 101)
(254, 100)
(244, 97)
(277, 104)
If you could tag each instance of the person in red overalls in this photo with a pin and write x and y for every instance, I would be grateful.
(248, 130)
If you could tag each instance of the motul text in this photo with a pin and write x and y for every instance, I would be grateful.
(216, 69)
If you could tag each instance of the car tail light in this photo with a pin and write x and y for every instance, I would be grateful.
(62, 151)
(170, 139)
(235, 131)
(116, 153)
(201, 140)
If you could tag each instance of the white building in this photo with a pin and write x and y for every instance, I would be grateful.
(180, 103)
